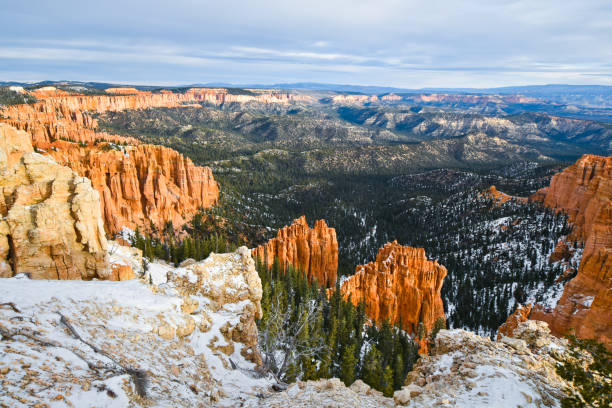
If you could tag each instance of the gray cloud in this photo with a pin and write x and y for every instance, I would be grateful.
(385, 42)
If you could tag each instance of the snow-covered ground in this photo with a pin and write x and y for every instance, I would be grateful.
(88, 344)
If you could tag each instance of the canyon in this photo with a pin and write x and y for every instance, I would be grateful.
(313, 250)
(402, 285)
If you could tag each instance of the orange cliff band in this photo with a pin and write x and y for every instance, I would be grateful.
(314, 251)
(139, 185)
(584, 192)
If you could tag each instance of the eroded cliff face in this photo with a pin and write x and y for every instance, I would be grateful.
(314, 251)
(584, 192)
(402, 285)
(51, 226)
(140, 185)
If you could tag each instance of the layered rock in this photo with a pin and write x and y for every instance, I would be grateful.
(402, 285)
(584, 192)
(313, 250)
(51, 226)
(221, 283)
(141, 185)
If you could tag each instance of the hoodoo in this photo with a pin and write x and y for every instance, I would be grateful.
(140, 185)
(402, 285)
(314, 251)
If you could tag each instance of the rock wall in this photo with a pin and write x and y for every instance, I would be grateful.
(401, 285)
(314, 251)
(584, 192)
(141, 185)
(51, 226)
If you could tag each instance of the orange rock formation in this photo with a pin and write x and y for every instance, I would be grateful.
(401, 285)
(142, 184)
(499, 197)
(584, 192)
(139, 185)
(520, 315)
(314, 251)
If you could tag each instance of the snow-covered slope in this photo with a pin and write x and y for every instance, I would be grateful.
(464, 371)
(120, 344)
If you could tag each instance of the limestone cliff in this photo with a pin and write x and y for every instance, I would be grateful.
(141, 185)
(401, 285)
(314, 251)
(584, 192)
(51, 226)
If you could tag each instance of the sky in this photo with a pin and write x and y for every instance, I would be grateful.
(409, 43)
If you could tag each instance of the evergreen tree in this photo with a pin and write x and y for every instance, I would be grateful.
(349, 362)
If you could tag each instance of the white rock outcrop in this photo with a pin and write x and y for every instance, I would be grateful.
(51, 226)
(190, 339)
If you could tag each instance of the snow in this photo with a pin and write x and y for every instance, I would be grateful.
(122, 319)
(158, 272)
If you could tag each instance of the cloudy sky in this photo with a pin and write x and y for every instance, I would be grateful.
(406, 43)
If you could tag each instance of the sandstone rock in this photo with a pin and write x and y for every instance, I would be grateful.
(520, 315)
(51, 226)
(185, 328)
(314, 251)
(466, 370)
(166, 331)
(360, 387)
(561, 252)
(147, 185)
(122, 272)
(584, 192)
(189, 305)
(492, 193)
(401, 285)
(223, 282)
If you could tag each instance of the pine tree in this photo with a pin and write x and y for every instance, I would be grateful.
(349, 362)
(372, 372)
(387, 382)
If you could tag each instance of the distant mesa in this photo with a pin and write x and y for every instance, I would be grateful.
(126, 91)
